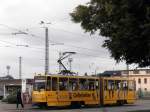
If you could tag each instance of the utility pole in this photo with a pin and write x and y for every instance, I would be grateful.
(46, 48)
(46, 51)
(60, 54)
(20, 67)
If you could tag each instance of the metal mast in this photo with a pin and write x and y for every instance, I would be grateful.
(46, 48)
(46, 51)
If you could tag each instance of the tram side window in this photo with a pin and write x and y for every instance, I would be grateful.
(111, 85)
(48, 86)
(63, 83)
(97, 84)
(91, 84)
(131, 86)
(105, 84)
(54, 84)
(118, 85)
(83, 84)
(125, 85)
(73, 84)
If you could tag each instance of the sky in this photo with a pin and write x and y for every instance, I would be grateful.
(25, 15)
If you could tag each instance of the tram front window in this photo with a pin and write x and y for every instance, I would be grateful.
(39, 85)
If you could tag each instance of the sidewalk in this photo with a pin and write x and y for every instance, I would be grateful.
(4, 107)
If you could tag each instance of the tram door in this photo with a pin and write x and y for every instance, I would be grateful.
(109, 91)
(125, 89)
(122, 89)
(119, 90)
(131, 90)
(52, 89)
(63, 94)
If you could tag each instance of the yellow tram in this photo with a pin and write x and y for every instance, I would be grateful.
(59, 90)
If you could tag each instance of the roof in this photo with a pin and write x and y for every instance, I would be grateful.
(15, 81)
(111, 73)
(137, 69)
(7, 77)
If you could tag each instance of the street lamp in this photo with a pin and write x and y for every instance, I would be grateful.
(56, 44)
(20, 32)
(8, 68)
(19, 45)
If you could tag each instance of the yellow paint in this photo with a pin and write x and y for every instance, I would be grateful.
(39, 96)
(63, 98)
(89, 97)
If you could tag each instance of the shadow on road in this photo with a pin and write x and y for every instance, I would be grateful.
(140, 111)
(83, 107)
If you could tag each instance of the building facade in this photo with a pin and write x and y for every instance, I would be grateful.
(141, 77)
(10, 85)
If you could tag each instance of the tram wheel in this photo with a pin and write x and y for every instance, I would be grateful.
(76, 104)
(120, 102)
(43, 106)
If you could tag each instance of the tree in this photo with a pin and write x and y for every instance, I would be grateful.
(125, 24)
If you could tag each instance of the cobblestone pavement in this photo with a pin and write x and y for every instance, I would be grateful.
(139, 105)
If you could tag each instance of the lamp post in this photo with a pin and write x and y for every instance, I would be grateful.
(70, 63)
(20, 45)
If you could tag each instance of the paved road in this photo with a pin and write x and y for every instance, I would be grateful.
(139, 105)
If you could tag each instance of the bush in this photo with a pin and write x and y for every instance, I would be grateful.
(11, 98)
(1, 97)
(4, 100)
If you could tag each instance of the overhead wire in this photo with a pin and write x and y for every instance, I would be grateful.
(33, 35)
(39, 49)
(7, 42)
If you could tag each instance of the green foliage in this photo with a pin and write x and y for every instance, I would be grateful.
(12, 98)
(4, 100)
(124, 23)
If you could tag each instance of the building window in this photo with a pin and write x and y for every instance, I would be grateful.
(145, 89)
(136, 72)
(148, 71)
(139, 81)
(145, 80)
(125, 72)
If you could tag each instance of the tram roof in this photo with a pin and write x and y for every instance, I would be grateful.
(117, 78)
(86, 77)
(68, 76)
